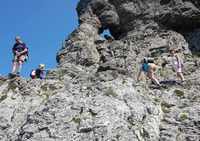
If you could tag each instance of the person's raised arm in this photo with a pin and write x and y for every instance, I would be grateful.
(24, 51)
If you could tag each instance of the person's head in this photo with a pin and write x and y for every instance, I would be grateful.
(18, 39)
(42, 66)
(172, 51)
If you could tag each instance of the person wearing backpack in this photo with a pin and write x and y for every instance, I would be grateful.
(177, 64)
(39, 72)
(148, 67)
(20, 52)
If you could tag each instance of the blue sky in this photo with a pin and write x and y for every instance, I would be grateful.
(42, 24)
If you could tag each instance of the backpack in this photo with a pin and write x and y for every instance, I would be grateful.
(38, 73)
(145, 67)
(150, 60)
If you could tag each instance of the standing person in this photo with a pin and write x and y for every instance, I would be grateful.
(149, 68)
(40, 72)
(20, 52)
(177, 64)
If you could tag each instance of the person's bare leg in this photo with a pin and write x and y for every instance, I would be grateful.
(14, 67)
(180, 75)
(19, 67)
(153, 78)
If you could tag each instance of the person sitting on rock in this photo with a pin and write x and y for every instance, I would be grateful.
(39, 72)
(177, 64)
(148, 67)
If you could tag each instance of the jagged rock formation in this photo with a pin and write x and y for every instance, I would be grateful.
(93, 94)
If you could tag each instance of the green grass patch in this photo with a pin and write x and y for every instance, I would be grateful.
(165, 104)
(183, 116)
(76, 120)
(165, 110)
(179, 93)
(3, 97)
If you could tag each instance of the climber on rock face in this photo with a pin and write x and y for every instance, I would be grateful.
(20, 52)
(148, 67)
(177, 64)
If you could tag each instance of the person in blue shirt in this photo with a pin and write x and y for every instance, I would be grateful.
(148, 67)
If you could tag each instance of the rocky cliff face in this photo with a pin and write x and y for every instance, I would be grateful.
(93, 94)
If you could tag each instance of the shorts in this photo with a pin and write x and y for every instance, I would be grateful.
(178, 69)
(20, 58)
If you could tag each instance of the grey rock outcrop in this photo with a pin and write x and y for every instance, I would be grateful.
(93, 94)
(135, 15)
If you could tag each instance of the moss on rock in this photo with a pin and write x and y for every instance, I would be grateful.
(179, 93)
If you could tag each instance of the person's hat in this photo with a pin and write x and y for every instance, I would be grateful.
(17, 38)
(42, 66)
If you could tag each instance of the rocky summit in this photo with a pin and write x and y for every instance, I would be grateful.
(93, 94)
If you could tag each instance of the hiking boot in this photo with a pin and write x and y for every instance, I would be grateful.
(13, 75)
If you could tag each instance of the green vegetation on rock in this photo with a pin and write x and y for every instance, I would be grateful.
(76, 120)
(183, 116)
(179, 93)
(3, 97)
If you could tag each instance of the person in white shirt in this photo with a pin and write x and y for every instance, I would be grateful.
(177, 64)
